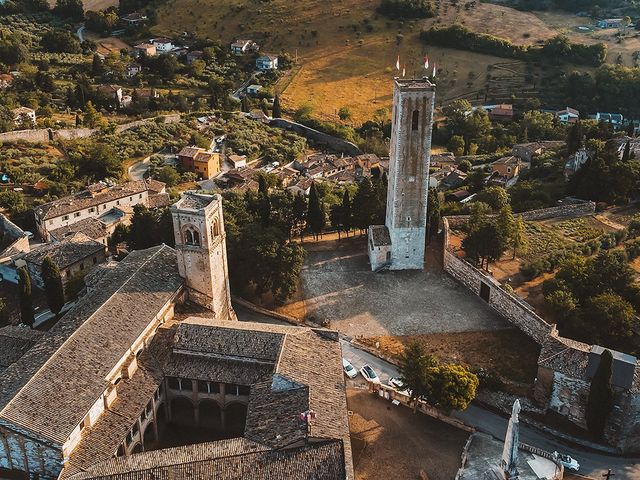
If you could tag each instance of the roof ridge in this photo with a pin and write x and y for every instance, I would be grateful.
(68, 339)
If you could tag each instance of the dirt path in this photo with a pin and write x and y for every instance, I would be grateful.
(608, 222)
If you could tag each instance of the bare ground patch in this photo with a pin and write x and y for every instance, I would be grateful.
(392, 442)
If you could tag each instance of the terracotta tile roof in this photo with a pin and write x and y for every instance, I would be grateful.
(234, 459)
(301, 369)
(190, 151)
(93, 197)
(68, 251)
(91, 227)
(159, 200)
(14, 342)
(76, 356)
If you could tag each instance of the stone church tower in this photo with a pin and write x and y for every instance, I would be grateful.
(400, 243)
(198, 227)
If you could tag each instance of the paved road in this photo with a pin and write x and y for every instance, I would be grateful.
(592, 464)
(138, 169)
(80, 33)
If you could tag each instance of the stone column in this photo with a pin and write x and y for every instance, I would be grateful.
(194, 397)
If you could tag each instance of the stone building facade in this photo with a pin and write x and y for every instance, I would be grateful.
(202, 253)
(410, 151)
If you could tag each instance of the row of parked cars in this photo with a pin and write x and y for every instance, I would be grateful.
(370, 375)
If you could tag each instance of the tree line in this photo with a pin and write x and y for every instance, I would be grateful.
(555, 50)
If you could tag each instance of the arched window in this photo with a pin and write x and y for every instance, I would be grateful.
(216, 229)
(188, 237)
(196, 237)
(414, 120)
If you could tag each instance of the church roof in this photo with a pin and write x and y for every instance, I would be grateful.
(75, 357)
(193, 201)
(233, 459)
(289, 370)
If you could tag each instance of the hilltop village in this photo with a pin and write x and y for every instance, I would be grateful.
(318, 241)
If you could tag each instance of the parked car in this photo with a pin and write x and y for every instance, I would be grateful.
(369, 374)
(568, 462)
(395, 382)
(349, 370)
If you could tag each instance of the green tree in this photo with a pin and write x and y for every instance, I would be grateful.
(601, 396)
(168, 175)
(413, 364)
(315, 214)
(363, 205)
(299, 214)
(456, 145)
(264, 201)
(344, 113)
(575, 137)
(92, 118)
(494, 196)
(519, 239)
(53, 286)
(451, 387)
(626, 154)
(433, 212)
(276, 111)
(25, 298)
(347, 212)
(144, 228)
(70, 9)
(610, 317)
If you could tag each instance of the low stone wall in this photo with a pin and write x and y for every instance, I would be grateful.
(46, 135)
(579, 209)
(513, 309)
(31, 136)
(264, 311)
(333, 143)
(73, 133)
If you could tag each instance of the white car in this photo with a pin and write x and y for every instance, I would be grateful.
(349, 370)
(395, 383)
(369, 374)
(567, 462)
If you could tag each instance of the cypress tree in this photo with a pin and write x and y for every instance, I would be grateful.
(601, 393)
(53, 287)
(574, 138)
(626, 155)
(24, 293)
(347, 212)
(315, 214)
(276, 112)
(264, 201)
(433, 212)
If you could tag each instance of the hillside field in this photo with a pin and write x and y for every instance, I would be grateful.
(346, 52)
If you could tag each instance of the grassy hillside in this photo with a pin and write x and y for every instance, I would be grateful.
(346, 52)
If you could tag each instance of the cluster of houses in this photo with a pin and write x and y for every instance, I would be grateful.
(504, 172)
(75, 229)
(297, 176)
(504, 112)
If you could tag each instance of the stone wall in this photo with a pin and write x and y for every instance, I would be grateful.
(46, 135)
(513, 309)
(319, 138)
(32, 136)
(73, 133)
(579, 209)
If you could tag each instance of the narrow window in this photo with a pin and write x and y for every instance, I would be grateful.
(188, 237)
(414, 120)
(196, 237)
